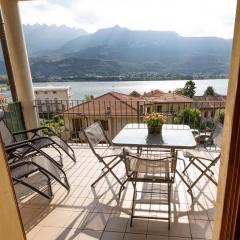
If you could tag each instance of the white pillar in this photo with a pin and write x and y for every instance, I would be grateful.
(19, 60)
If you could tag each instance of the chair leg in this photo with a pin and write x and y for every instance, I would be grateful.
(49, 183)
(133, 202)
(169, 205)
(185, 169)
(109, 170)
(203, 174)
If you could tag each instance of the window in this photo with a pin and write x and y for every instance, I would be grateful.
(206, 114)
(148, 109)
(171, 108)
(77, 124)
(141, 108)
(54, 92)
(108, 110)
(104, 124)
(212, 114)
(36, 92)
(159, 109)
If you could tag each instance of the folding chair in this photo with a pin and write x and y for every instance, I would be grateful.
(157, 168)
(203, 159)
(110, 156)
(39, 139)
(24, 167)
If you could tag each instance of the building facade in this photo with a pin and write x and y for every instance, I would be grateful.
(53, 99)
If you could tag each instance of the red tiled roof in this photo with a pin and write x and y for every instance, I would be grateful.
(112, 103)
(153, 93)
(169, 97)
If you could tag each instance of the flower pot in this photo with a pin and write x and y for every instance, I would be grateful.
(155, 130)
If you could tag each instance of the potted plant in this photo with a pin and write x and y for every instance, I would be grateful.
(154, 122)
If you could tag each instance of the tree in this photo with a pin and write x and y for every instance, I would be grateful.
(219, 115)
(188, 90)
(189, 116)
(88, 98)
(209, 91)
(179, 91)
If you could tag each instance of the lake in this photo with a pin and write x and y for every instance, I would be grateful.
(80, 89)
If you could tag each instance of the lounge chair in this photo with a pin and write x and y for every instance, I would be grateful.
(22, 167)
(38, 138)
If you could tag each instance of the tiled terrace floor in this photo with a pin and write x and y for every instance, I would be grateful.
(87, 213)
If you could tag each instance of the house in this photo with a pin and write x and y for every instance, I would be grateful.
(113, 109)
(53, 99)
(208, 105)
(165, 102)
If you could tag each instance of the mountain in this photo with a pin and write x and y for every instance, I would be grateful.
(62, 52)
(156, 51)
(43, 39)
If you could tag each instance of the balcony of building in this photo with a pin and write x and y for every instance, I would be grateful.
(98, 213)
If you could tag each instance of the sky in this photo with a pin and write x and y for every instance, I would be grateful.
(186, 17)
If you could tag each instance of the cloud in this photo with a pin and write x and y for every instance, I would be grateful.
(187, 17)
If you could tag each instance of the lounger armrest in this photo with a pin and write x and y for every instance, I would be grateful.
(23, 143)
(16, 164)
(34, 130)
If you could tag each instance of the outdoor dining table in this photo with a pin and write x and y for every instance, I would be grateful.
(172, 136)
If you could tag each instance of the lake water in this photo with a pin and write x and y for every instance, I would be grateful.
(80, 89)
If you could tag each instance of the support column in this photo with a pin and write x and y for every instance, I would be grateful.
(19, 60)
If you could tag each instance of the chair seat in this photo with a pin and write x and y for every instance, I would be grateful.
(200, 153)
(27, 168)
(112, 150)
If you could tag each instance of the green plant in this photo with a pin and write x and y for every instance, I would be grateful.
(188, 116)
(155, 119)
(219, 115)
(56, 125)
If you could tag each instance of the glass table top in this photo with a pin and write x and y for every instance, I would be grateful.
(172, 136)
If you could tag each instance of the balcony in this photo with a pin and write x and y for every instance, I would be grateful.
(97, 213)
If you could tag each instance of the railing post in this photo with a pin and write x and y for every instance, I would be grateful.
(138, 112)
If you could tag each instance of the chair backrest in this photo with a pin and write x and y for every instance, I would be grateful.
(7, 135)
(161, 165)
(95, 135)
(217, 134)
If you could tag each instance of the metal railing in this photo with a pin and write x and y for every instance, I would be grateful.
(68, 118)
(14, 118)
